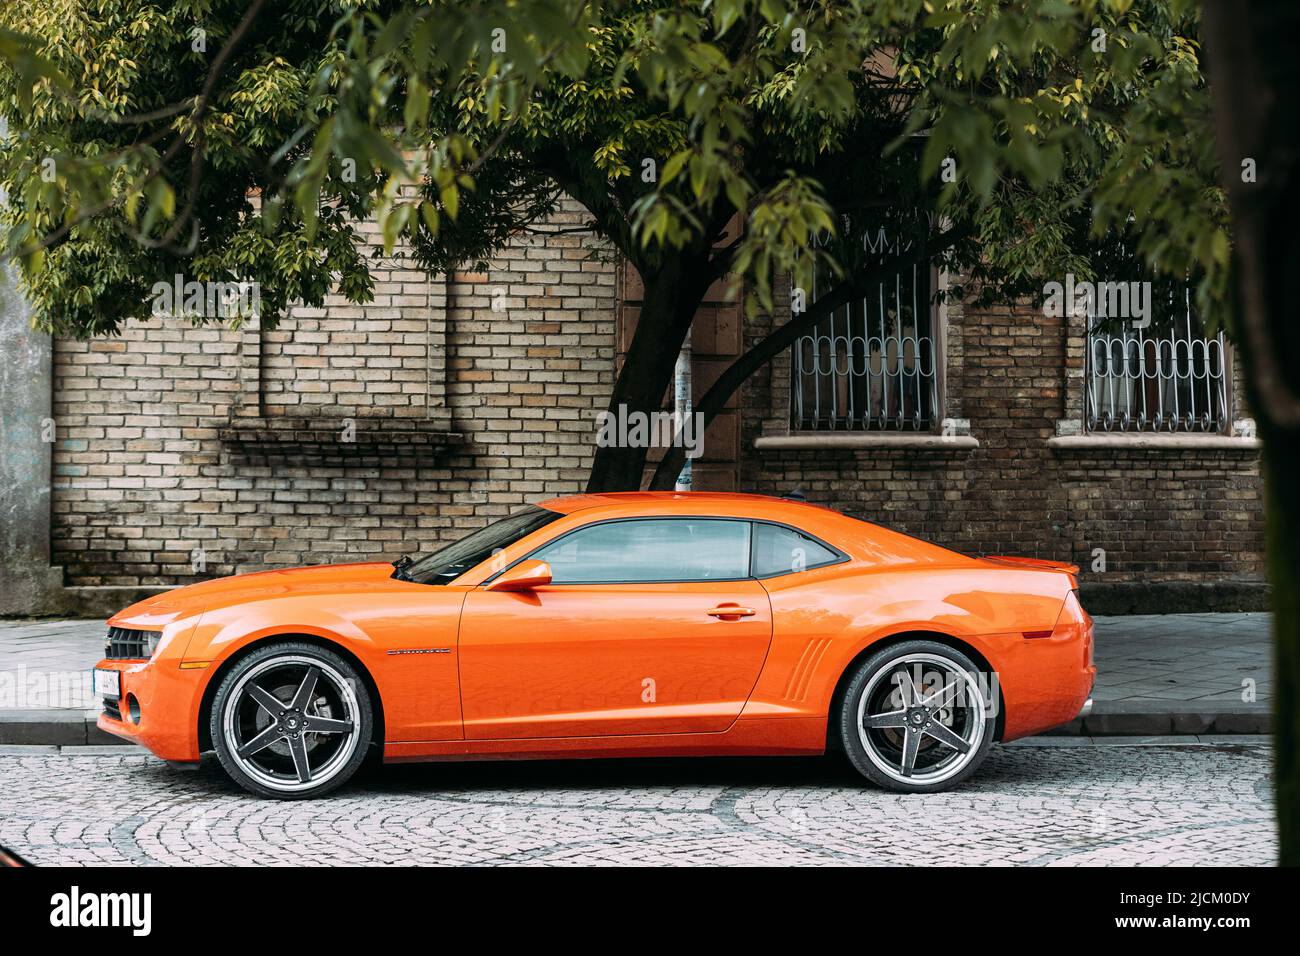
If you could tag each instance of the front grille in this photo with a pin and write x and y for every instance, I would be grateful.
(124, 644)
(112, 709)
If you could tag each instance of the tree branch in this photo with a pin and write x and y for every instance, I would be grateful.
(716, 398)
(201, 105)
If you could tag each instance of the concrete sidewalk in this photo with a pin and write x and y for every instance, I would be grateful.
(1181, 674)
(1173, 674)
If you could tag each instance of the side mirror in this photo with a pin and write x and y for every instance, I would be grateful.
(524, 576)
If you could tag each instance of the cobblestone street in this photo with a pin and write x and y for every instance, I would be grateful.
(1066, 805)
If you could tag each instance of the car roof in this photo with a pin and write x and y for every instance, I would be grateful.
(667, 502)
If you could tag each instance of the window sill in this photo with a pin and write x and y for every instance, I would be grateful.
(865, 440)
(1139, 442)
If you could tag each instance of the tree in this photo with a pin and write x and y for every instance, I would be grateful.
(231, 140)
(1255, 59)
(665, 118)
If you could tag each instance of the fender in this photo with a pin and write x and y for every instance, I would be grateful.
(420, 693)
(811, 652)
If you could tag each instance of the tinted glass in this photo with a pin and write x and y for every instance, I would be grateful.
(780, 550)
(455, 559)
(676, 549)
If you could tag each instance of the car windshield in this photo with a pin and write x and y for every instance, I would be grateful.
(451, 562)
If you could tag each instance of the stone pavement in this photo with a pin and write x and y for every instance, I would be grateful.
(1071, 803)
(52, 656)
(1183, 657)
(1182, 674)
(1157, 674)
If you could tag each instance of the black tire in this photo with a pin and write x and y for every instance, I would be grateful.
(950, 765)
(242, 719)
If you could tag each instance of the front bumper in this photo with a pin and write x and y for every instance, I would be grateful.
(166, 699)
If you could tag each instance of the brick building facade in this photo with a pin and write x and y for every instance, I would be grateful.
(363, 432)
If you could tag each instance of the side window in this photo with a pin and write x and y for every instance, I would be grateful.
(779, 550)
(671, 549)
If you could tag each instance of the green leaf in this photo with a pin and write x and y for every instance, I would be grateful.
(416, 110)
(674, 166)
(393, 224)
(449, 196)
(430, 216)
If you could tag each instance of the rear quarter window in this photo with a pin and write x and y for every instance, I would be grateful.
(781, 550)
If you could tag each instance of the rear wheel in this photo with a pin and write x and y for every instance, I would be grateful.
(917, 718)
(292, 720)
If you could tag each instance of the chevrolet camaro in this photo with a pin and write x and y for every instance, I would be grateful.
(610, 625)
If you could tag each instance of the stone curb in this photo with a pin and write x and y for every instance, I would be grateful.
(1162, 718)
(53, 727)
(1130, 718)
(1059, 740)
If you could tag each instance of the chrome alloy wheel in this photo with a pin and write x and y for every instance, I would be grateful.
(921, 718)
(291, 723)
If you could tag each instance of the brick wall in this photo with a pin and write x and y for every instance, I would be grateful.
(473, 393)
(1193, 515)
(142, 476)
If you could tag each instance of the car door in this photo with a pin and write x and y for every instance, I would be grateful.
(649, 626)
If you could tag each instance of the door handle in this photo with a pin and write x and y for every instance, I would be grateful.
(731, 610)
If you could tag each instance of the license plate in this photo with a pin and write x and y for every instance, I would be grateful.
(107, 683)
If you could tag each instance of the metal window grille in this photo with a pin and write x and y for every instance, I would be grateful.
(873, 364)
(1169, 378)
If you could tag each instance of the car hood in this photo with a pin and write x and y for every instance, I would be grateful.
(219, 592)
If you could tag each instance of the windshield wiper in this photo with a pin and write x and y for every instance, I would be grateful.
(400, 566)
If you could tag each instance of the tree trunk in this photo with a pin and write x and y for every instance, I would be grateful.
(673, 295)
(1282, 478)
(1254, 57)
(716, 398)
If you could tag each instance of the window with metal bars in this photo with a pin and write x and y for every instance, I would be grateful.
(1166, 376)
(873, 364)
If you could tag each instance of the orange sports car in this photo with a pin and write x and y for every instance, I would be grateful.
(610, 625)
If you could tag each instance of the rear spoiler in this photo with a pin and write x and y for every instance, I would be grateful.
(1033, 564)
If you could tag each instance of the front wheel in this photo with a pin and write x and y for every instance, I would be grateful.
(918, 717)
(291, 720)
